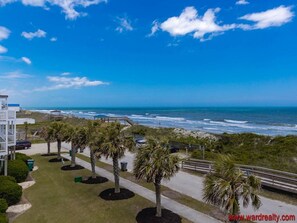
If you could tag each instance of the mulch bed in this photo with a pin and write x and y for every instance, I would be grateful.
(57, 160)
(148, 215)
(110, 195)
(49, 154)
(97, 180)
(69, 167)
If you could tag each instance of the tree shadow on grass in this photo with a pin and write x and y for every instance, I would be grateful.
(97, 180)
(69, 167)
(57, 160)
(49, 154)
(148, 215)
(110, 195)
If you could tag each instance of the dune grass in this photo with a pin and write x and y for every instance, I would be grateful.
(56, 198)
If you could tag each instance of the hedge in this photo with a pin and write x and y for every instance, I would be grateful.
(3, 218)
(10, 191)
(18, 169)
(23, 157)
(3, 205)
(4, 178)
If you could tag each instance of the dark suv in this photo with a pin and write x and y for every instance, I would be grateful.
(23, 144)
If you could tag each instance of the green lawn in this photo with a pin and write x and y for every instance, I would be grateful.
(56, 198)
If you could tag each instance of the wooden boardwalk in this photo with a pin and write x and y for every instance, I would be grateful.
(112, 119)
(276, 179)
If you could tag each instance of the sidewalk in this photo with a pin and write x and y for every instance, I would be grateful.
(167, 203)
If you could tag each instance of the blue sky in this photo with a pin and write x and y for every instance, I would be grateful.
(148, 53)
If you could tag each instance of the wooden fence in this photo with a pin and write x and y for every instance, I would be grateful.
(276, 179)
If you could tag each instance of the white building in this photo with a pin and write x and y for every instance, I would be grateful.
(7, 131)
(15, 107)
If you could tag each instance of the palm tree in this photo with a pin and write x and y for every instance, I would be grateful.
(60, 134)
(227, 184)
(78, 139)
(94, 140)
(115, 145)
(153, 163)
(47, 134)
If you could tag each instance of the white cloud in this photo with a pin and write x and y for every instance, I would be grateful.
(272, 17)
(125, 25)
(15, 75)
(10, 92)
(242, 2)
(4, 33)
(68, 6)
(69, 82)
(3, 49)
(65, 73)
(36, 3)
(5, 2)
(200, 26)
(154, 28)
(53, 39)
(30, 35)
(26, 60)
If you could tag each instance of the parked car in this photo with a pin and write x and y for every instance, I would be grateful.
(24, 144)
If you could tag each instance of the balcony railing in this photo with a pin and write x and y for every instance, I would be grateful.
(6, 114)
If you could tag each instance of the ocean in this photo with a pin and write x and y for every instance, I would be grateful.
(260, 120)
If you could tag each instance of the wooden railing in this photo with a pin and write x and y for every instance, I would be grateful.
(110, 119)
(276, 179)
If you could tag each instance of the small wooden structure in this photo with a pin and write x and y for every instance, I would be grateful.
(56, 115)
(113, 119)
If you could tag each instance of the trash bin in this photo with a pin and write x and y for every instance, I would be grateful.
(124, 166)
(77, 179)
(30, 164)
(69, 152)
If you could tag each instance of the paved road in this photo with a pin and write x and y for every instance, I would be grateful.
(41, 148)
(192, 185)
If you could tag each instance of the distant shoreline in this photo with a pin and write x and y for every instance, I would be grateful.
(262, 121)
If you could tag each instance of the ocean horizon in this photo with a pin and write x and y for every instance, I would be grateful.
(260, 120)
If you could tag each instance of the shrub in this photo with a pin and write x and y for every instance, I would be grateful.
(18, 169)
(198, 154)
(3, 218)
(9, 178)
(10, 191)
(3, 205)
(23, 157)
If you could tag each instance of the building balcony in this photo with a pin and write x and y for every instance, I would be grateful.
(6, 115)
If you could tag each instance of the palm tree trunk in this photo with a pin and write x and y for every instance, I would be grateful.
(48, 147)
(26, 130)
(59, 148)
(93, 163)
(235, 209)
(72, 155)
(158, 197)
(116, 174)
